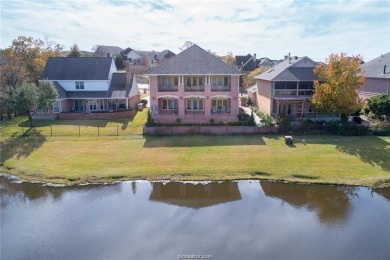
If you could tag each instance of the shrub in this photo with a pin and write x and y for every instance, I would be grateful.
(251, 120)
(211, 121)
(149, 120)
(242, 117)
(265, 119)
(178, 120)
(249, 102)
(243, 100)
(144, 101)
(379, 105)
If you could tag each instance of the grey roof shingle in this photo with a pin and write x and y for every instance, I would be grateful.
(374, 68)
(285, 71)
(109, 49)
(82, 68)
(119, 88)
(245, 62)
(194, 61)
(60, 90)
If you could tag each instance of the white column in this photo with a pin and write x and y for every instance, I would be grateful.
(127, 103)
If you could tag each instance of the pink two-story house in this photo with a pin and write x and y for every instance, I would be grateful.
(194, 87)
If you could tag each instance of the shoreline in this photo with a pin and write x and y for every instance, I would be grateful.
(11, 174)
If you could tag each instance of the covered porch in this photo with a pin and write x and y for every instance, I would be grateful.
(297, 108)
(92, 105)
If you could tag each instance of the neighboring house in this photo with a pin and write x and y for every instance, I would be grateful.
(194, 86)
(107, 51)
(90, 88)
(377, 77)
(286, 88)
(148, 59)
(249, 63)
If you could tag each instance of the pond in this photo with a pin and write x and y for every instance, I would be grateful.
(226, 220)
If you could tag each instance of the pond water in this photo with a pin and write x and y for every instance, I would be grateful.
(228, 220)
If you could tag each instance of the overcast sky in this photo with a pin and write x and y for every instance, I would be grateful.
(267, 28)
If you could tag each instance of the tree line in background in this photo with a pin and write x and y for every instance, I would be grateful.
(22, 64)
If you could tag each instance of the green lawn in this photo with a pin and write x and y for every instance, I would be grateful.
(88, 158)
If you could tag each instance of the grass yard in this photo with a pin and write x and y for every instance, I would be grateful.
(88, 158)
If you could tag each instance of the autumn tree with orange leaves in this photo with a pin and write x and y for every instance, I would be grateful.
(335, 91)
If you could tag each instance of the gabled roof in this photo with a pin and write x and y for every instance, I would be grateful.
(288, 71)
(194, 61)
(109, 49)
(265, 62)
(165, 54)
(119, 88)
(245, 63)
(82, 68)
(374, 68)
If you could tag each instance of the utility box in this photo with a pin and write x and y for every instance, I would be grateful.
(288, 139)
(140, 106)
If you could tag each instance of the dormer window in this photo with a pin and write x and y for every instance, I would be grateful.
(79, 84)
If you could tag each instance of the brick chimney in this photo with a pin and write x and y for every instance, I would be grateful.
(128, 67)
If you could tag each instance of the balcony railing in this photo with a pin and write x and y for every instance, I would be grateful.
(222, 110)
(293, 92)
(194, 88)
(165, 88)
(220, 88)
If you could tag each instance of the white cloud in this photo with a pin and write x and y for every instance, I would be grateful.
(268, 28)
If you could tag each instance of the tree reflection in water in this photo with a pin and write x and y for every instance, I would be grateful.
(331, 203)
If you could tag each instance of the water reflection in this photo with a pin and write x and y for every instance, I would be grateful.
(195, 195)
(332, 204)
(143, 220)
(24, 191)
(385, 193)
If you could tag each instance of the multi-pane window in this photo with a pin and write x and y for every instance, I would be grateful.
(166, 81)
(170, 104)
(194, 81)
(79, 84)
(78, 105)
(220, 105)
(220, 81)
(92, 104)
(175, 81)
(112, 104)
(56, 106)
(194, 104)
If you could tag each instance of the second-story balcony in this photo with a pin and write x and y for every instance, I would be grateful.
(167, 88)
(218, 88)
(194, 88)
(293, 88)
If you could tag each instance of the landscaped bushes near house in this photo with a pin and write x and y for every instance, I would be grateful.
(266, 120)
(243, 100)
(144, 102)
(381, 130)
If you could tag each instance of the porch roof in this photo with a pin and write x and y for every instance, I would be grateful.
(119, 89)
